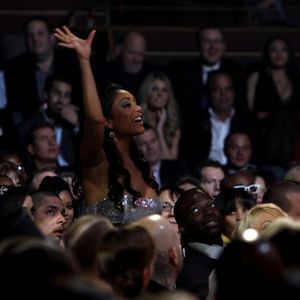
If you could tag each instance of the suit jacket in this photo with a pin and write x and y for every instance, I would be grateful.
(170, 170)
(189, 88)
(197, 137)
(20, 79)
(67, 146)
(195, 272)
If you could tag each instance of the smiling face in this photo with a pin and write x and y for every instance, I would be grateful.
(58, 96)
(125, 116)
(212, 45)
(158, 95)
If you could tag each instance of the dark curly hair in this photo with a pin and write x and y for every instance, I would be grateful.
(116, 168)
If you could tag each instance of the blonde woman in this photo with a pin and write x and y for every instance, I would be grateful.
(160, 110)
(258, 218)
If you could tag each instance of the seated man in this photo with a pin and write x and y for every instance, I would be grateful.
(42, 147)
(62, 114)
(200, 225)
(210, 173)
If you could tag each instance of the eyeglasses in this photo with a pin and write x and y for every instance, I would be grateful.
(252, 188)
(166, 206)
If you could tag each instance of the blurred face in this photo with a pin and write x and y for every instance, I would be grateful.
(168, 207)
(231, 220)
(44, 146)
(148, 144)
(239, 150)
(158, 95)
(201, 217)
(278, 53)
(59, 96)
(28, 203)
(262, 188)
(212, 46)
(126, 116)
(211, 179)
(133, 53)
(37, 179)
(50, 217)
(221, 93)
(294, 203)
(67, 200)
(39, 41)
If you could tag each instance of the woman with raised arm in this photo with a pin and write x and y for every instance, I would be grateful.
(111, 165)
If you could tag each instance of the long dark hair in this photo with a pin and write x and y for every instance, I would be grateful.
(116, 169)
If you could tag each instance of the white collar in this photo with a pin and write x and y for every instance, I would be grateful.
(207, 68)
(212, 251)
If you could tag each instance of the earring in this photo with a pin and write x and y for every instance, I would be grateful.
(112, 135)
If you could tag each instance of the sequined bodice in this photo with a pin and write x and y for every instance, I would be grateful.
(133, 209)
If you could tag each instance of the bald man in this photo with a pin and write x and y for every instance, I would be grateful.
(130, 68)
(168, 260)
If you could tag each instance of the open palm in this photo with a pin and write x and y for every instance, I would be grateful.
(68, 40)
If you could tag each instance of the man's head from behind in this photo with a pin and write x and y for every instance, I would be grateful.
(168, 261)
(285, 194)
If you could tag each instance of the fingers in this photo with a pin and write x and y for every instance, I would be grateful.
(91, 36)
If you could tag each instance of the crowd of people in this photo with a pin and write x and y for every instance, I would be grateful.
(127, 180)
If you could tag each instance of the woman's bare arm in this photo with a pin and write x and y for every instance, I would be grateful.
(91, 151)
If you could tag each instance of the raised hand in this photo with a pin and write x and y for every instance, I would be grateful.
(68, 40)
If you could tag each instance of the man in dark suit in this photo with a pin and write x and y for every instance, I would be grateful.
(62, 114)
(130, 67)
(26, 73)
(164, 171)
(207, 128)
(189, 79)
(199, 222)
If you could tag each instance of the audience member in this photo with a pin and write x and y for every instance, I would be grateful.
(285, 194)
(277, 114)
(258, 218)
(111, 164)
(16, 197)
(238, 150)
(160, 110)
(200, 225)
(168, 255)
(126, 260)
(49, 214)
(208, 128)
(233, 205)
(26, 73)
(189, 79)
(11, 170)
(130, 68)
(60, 188)
(164, 170)
(42, 147)
(37, 176)
(62, 114)
(82, 239)
(293, 173)
(210, 174)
